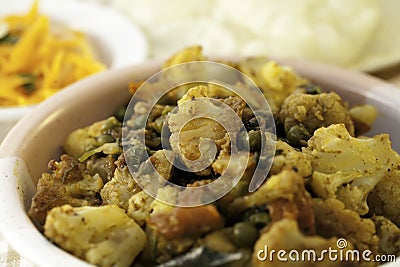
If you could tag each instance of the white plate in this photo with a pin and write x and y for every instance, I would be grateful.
(116, 41)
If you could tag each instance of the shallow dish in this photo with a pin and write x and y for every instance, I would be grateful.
(38, 137)
(115, 40)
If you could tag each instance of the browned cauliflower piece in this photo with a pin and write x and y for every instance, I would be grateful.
(155, 171)
(285, 235)
(161, 164)
(103, 166)
(389, 236)
(240, 165)
(69, 183)
(333, 219)
(180, 222)
(287, 157)
(120, 189)
(123, 186)
(175, 229)
(385, 197)
(275, 81)
(104, 236)
(285, 196)
(349, 168)
(302, 114)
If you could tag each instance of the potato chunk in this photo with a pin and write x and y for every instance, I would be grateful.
(104, 236)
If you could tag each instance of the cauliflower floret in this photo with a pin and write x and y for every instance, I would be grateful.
(123, 185)
(104, 166)
(161, 164)
(192, 53)
(188, 132)
(348, 168)
(309, 112)
(389, 236)
(285, 235)
(93, 136)
(104, 236)
(333, 219)
(385, 197)
(276, 82)
(240, 165)
(120, 189)
(69, 183)
(285, 196)
(141, 205)
(155, 171)
(286, 157)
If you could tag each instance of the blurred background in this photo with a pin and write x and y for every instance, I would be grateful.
(357, 34)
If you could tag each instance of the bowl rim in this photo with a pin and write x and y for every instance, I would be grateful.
(17, 225)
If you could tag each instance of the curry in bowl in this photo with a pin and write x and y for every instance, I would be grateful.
(328, 187)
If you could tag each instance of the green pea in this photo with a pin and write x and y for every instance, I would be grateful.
(255, 140)
(259, 219)
(297, 134)
(120, 113)
(244, 234)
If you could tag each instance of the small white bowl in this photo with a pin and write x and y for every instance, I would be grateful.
(38, 137)
(115, 40)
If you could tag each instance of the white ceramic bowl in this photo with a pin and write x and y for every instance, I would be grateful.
(115, 40)
(38, 137)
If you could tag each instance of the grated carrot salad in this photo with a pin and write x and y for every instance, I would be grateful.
(39, 58)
